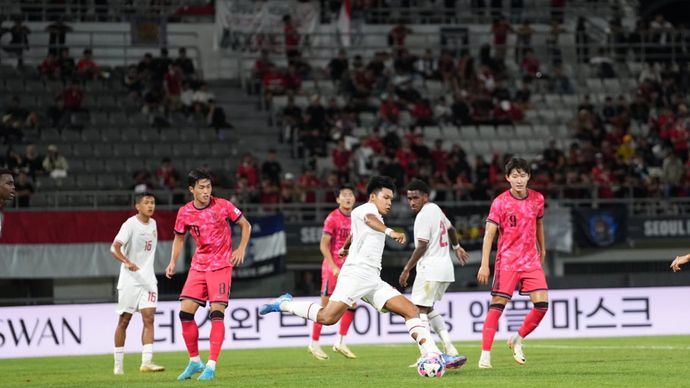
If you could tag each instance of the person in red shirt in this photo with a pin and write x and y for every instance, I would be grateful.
(291, 35)
(249, 171)
(439, 157)
(73, 96)
(500, 28)
(530, 64)
(308, 183)
(397, 35)
(517, 213)
(210, 274)
(86, 67)
(273, 83)
(172, 85)
(389, 111)
(423, 113)
(342, 158)
(374, 141)
(50, 68)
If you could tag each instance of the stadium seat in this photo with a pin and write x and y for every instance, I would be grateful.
(94, 166)
(468, 132)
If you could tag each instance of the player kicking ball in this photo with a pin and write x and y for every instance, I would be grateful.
(517, 215)
(137, 288)
(360, 277)
(431, 257)
(210, 275)
(336, 230)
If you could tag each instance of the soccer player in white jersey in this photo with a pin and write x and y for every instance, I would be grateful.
(678, 261)
(135, 246)
(6, 191)
(360, 276)
(433, 233)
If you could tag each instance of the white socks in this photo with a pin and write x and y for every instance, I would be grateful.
(195, 359)
(439, 325)
(147, 354)
(306, 310)
(340, 340)
(211, 364)
(421, 335)
(119, 355)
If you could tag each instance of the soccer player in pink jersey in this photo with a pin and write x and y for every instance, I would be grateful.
(517, 215)
(210, 276)
(336, 230)
(6, 191)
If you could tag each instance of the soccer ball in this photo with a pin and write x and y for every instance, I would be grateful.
(431, 365)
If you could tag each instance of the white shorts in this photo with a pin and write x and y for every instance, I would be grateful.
(136, 298)
(426, 292)
(358, 283)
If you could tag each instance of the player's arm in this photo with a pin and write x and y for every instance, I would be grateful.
(238, 254)
(412, 262)
(178, 242)
(484, 270)
(540, 240)
(346, 247)
(116, 251)
(325, 248)
(460, 252)
(377, 225)
(680, 260)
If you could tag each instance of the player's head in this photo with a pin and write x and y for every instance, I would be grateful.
(345, 197)
(417, 194)
(518, 173)
(200, 185)
(381, 191)
(6, 185)
(145, 203)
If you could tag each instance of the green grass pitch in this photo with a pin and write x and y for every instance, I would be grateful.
(592, 362)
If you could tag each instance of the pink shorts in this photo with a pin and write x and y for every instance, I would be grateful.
(211, 286)
(505, 282)
(328, 282)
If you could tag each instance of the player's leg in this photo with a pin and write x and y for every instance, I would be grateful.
(436, 322)
(502, 290)
(194, 294)
(147, 317)
(345, 323)
(120, 335)
(327, 285)
(218, 283)
(534, 284)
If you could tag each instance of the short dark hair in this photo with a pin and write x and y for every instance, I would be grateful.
(138, 197)
(419, 185)
(196, 175)
(378, 182)
(345, 186)
(6, 171)
(517, 164)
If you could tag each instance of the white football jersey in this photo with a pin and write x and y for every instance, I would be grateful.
(139, 242)
(367, 244)
(431, 225)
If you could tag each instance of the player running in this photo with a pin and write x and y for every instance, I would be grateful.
(210, 275)
(336, 230)
(6, 191)
(360, 277)
(517, 215)
(431, 257)
(137, 288)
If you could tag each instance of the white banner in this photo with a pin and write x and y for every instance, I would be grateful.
(35, 331)
(241, 24)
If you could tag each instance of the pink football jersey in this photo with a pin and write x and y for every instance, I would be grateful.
(211, 231)
(517, 226)
(337, 225)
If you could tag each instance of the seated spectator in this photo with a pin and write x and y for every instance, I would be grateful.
(32, 162)
(315, 114)
(427, 66)
(167, 175)
(187, 98)
(442, 112)
(293, 81)
(292, 119)
(248, 171)
(261, 66)
(185, 64)
(559, 83)
(422, 113)
(69, 101)
(24, 189)
(50, 67)
(271, 167)
(273, 83)
(530, 64)
(145, 67)
(55, 164)
(342, 160)
(389, 113)
(133, 82)
(201, 98)
(18, 117)
(308, 183)
(604, 64)
(216, 116)
(66, 63)
(269, 195)
(461, 114)
(337, 66)
(86, 67)
(397, 35)
(508, 113)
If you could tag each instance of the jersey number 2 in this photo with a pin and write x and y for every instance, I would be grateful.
(444, 233)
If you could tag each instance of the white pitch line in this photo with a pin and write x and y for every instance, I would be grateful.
(634, 347)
